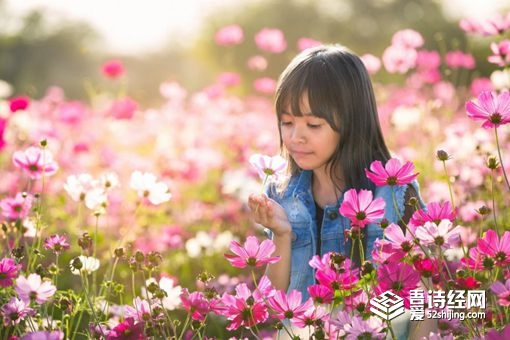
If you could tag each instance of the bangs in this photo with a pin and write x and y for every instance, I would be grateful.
(315, 80)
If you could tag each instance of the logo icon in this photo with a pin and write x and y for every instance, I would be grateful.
(387, 305)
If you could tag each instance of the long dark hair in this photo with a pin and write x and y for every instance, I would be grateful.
(340, 91)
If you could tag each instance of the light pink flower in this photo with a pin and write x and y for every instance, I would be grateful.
(229, 79)
(18, 207)
(310, 316)
(491, 108)
(8, 271)
(267, 166)
(148, 188)
(502, 291)
(304, 43)
(501, 50)
(44, 335)
(15, 311)
(72, 112)
(34, 288)
(270, 40)
(264, 85)
(403, 243)
(359, 328)
(252, 254)
(257, 63)
(442, 234)
(141, 310)
(35, 161)
(229, 35)
(495, 25)
(360, 207)
(288, 306)
(407, 38)
(392, 173)
(371, 62)
(113, 68)
(399, 59)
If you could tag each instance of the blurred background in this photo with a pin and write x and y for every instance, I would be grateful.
(61, 42)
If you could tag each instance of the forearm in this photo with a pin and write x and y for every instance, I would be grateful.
(279, 272)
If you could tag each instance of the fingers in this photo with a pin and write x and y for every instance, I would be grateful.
(262, 209)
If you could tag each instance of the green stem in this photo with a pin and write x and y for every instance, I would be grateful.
(493, 202)
(449, 185)
(501, 158)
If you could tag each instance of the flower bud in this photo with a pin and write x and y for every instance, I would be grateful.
(442, 155)
(492, 162)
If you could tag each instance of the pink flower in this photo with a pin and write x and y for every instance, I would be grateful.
(399, 59)
(113, 68)
(34, 288)
(310, 316)
(398, 277)
(393, 173)
(334, 271)
(270, 40)
(267, 166)
(244, 309)
(35, 161)
(501, 50)
(3, 126)
(252, 254)
(195, 304)
(229, 79)
(19, 103)
(479, 85)
(371, 62)
(72, 112)
(148, 188)
(360, 208)
(502, 291)
(442, 234)
(229, 35)
(459, 59)
(305, 43)
(494, 247)
(45, 335)
(493, 26)
(491, 108)
(18, 207)
(15, 311)
(407, 38)
(288, 306)
(8, 271)
(141, 311)
(321, 294)
(127, 330)
(264, 85)
(434, 212)
(124, 108)
(56, 243)
(403, 243)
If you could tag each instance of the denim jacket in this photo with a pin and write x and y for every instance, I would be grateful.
(298, 202)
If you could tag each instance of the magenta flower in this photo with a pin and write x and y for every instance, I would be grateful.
(35, 161)
(15, 311)
(501, 50)
(289, 306)
(244, 309)
(491, 108)
(195, 304)
(8, 271)
(56, 243)
(494, 247)
(18, 207)
(127, 330)
(271, 40)
(19, 103)
(321, 294)
(502, 291)
(360, 208)
(34, 288)
(334, 274)
(124, 108)
(393, 173)
(398, 277)
(229, 35)
(442, 234)
(252, 254)
(45, 335)
(113, 68)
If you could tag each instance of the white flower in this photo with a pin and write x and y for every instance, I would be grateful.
(89, 265)
(267, 166)
(77, 186)
(173, 292)
(147, 186)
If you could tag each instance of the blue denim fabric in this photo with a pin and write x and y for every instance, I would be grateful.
(297, 200)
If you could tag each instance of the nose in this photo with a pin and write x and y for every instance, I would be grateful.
(298, 134)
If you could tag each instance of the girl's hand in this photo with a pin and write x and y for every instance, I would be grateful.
(270, 214)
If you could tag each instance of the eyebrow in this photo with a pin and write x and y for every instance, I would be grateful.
(308, 114)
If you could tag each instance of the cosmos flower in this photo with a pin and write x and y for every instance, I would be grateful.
(360, 208)
(392, 173)
(252, 253)
(490, 108)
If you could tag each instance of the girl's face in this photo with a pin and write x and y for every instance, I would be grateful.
(310, 140)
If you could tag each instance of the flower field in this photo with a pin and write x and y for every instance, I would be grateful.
(120, 221)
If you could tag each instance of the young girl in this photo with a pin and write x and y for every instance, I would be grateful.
(330, 133)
